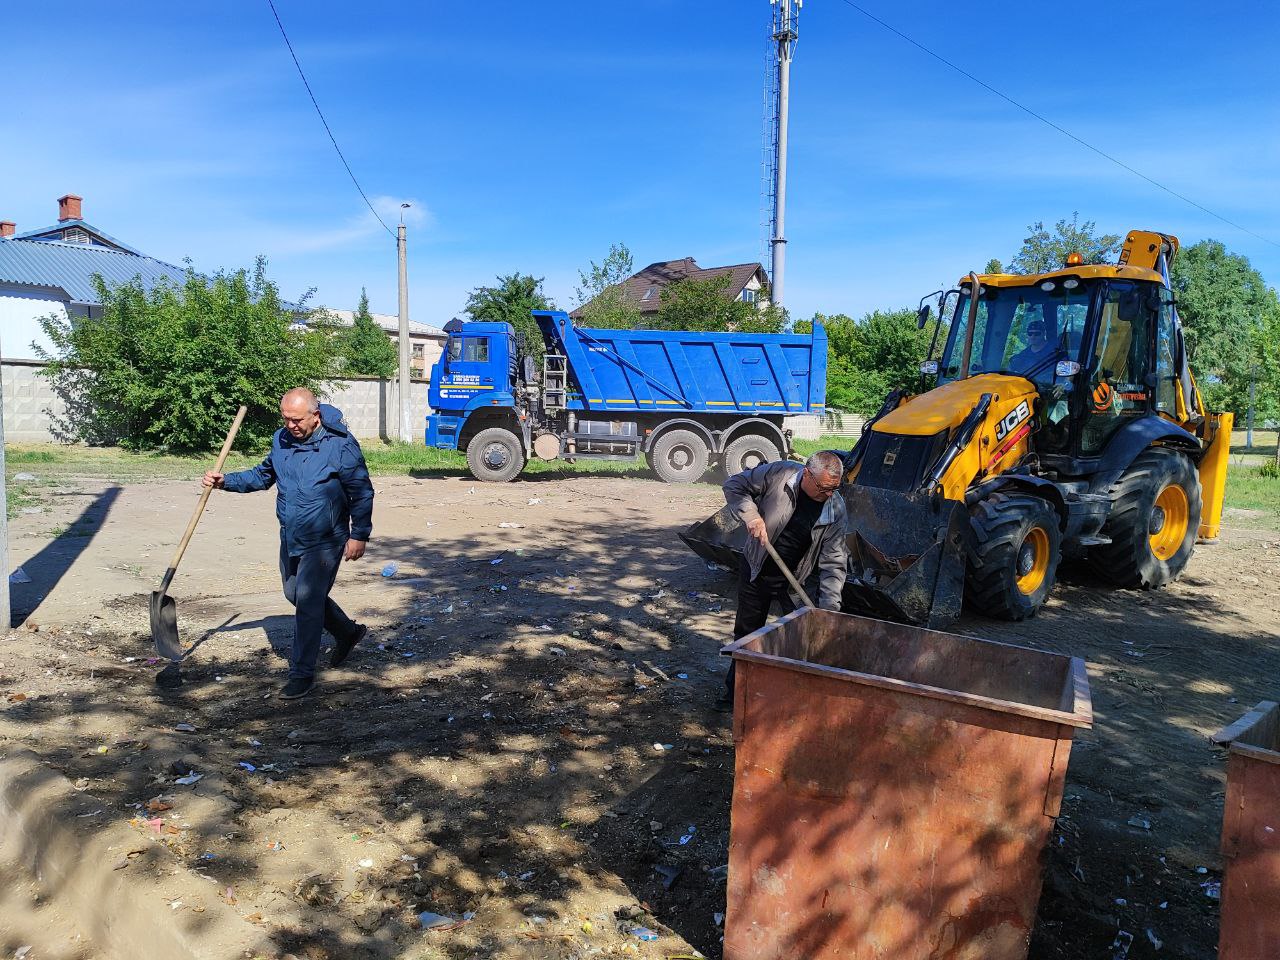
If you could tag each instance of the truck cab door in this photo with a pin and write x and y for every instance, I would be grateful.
(468, 370)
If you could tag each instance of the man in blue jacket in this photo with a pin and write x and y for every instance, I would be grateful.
(324, 502)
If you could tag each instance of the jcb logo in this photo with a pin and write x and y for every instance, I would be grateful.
(1012, 419)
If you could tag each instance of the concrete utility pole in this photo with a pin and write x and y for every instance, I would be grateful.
(5, 610)
(1248, 429)
(786, 17)
(406, 433)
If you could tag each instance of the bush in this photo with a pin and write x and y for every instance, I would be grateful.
(166, 369)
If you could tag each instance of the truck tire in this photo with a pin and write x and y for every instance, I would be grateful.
(1155, 515)
(680, 456)
(495, 455)
(1013, 555)
(749, 451)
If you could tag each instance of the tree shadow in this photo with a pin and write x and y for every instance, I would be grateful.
(51, 564)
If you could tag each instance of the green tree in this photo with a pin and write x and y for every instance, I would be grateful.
(704, 304)
(364, 347)
(600, 292)
(1227, 312)
(166, 369)
(867, 358)
(1043, 251)
(993, 266)
(510, 301)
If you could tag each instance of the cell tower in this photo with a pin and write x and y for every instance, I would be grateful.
(777, 88)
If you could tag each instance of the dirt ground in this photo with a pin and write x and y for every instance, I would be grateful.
(527, 741)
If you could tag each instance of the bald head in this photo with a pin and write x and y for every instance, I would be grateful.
(300, 411)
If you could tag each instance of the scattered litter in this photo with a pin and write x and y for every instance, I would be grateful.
(644, 933)
(684, 840)
(510, 526)
(184, 728)
(208, 856)
(1212, 889)
(660, 747)
(527, 875)
(277, 846)
(189, 779)
(17, 697)
(448, 609)
(545, 628)
(556, 651)
(31, 510)
(1121, 944)
(1164, 905)
(1121, 902)
(1155, 941)
(495, 561)
(1202, 870)
(1139, 822)
(252, 742)
(682, 676)
(158, 805)
(657, 596)
(718, 917)
(130, 659)
(365, 864)
(21, 952)
(720, 567)
(408, 654)
(175, 904)
(586, 926)
(82, 816)
(668, 873)
(23, 478)
(534, 500)
(247, 766)
(390, 569)
(103, 749)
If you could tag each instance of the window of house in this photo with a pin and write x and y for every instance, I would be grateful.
(76, 235)
(748, 296)
(650, 294)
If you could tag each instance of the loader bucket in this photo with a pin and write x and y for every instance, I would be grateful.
(717, 539)
(906, 556)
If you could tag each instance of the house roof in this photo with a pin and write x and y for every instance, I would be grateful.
(55, 232)
(70, 267)
(645, 287)
(388, 323)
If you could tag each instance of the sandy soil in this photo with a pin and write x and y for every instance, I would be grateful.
(489, 752)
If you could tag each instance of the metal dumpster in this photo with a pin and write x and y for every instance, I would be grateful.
(1250, 927)
(894, 790)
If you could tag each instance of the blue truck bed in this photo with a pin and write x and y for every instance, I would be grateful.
(657, 371)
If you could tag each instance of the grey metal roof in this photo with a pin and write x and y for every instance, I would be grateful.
(69, 267)
(387, 322)
(55, 233)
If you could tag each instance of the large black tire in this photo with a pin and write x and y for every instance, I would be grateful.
(1013, 555)
(747, 452)
(1155, 515)
(680, 456)
(495, 455)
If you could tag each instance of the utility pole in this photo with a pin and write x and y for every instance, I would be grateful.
(786, 17)
(5, 610)
(406, 434)
(1248, 422)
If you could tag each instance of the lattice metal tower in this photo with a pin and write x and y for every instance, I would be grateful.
(783, 33)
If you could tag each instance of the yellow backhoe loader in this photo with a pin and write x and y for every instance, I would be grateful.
(1061, 419)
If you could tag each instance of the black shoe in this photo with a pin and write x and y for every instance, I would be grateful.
(297, 687)
(342, 648)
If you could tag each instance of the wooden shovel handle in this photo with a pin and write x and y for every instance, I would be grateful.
(791, 577)
(204, 498)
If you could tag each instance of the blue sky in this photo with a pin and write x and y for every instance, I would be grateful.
(531, 136)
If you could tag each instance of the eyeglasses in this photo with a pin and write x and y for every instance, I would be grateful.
(825, 488)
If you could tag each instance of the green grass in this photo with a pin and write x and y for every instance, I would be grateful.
(1248, 488)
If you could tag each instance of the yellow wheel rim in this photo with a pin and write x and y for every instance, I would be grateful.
(1168, 527)
(1033, 561)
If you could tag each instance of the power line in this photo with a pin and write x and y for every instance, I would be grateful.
(320, 113)
(1045, 120)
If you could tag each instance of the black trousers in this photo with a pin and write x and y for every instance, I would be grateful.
(307, 581)
(755, 598)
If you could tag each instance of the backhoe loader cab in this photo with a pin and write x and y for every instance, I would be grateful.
(1063, 421)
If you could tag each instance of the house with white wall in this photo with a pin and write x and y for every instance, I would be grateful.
(50, 271)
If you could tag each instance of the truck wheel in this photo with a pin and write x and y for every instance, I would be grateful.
(1155, 514)
(495, 455)
(1013, 555)
(680, 456)
(748, 452)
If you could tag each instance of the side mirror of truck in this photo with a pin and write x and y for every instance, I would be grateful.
(922, 317)
(527, 369)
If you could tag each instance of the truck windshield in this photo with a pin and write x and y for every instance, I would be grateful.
(469, 349)
(1018, 330)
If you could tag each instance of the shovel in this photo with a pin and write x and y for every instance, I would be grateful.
(164, 613)
(791, 577)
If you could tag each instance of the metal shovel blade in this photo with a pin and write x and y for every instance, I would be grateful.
(164, 626)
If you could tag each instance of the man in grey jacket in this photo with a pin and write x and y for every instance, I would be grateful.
(796, 509)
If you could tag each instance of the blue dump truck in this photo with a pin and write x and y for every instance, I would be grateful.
(682, 400)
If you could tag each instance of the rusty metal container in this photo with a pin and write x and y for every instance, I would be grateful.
(894, 790)
(1250, 926)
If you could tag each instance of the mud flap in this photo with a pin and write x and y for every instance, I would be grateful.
(906, 554)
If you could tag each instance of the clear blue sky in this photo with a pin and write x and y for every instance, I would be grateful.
(530, 136)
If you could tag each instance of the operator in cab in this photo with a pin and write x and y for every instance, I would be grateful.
(1033, 358)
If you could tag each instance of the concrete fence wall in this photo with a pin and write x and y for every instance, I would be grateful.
(31, 408)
